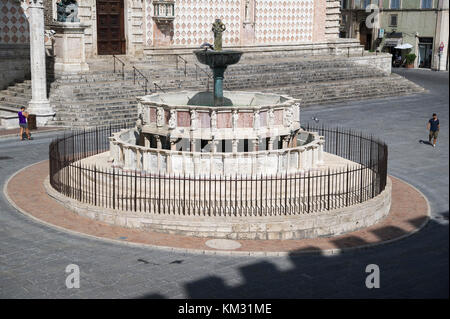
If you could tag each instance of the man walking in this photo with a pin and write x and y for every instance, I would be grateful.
(23, 123)
(433, 126)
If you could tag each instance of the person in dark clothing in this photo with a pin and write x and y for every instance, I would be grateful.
(433, 127)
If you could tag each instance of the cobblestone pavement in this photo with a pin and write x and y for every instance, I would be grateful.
(33, 257)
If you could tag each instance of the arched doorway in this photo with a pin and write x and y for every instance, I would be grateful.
(110, 27)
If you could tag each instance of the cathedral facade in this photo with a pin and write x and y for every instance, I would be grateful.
(132, 26)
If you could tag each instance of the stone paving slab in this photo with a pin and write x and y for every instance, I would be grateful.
(409, 213)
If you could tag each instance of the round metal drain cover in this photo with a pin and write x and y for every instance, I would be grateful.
(224, 244)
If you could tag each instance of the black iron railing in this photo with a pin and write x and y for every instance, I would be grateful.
(122, 68)
(137, 75)
(178, 57)
(363, 178)
(198, 70)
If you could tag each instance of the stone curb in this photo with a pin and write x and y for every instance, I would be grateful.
(327, 252)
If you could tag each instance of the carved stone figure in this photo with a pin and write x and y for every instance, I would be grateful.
(296, 112)
(270, 118)
(235, 144)
(234, 119)
(173, 119)
(159, 116)
(213, 120)
(67, 11)
(288, 117)
(218, 28)
(194, 120)
(256, 121)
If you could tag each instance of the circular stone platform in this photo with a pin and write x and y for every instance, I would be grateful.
(292, 223)
(409, 213)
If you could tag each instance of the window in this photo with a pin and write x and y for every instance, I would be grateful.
(344, 4)
(393, 20)
(427, 4)
(395, 4)
(366, 3)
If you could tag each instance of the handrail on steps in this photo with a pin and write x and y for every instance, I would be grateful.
(123, 65)
(197, 68)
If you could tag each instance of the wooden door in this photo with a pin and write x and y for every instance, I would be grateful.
(110, 27)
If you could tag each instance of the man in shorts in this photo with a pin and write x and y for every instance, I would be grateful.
(433, 127)
(23, 123)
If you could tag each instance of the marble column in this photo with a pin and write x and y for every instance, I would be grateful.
(158, 142)
(270, 146)
(173, 144)
(256, 145)
(235, 144)
(39, 104)
(146, 140)
(286, 140)
(213, 144)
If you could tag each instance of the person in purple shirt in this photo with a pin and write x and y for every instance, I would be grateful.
(433, 126)
(23, 123)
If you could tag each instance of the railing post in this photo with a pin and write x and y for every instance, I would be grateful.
(309, 191)
(135, 190)
(346, 189)
(84, 142)
(328, 186)
(96, 138)
(114, 188)
(95, 185)
(79, 181)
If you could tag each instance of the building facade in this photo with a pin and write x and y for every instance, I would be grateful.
(14, 43)
(424, 24)
(131, 26)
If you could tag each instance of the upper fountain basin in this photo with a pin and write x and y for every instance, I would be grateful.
(218, 59)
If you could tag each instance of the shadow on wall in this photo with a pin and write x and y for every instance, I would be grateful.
(416, 267)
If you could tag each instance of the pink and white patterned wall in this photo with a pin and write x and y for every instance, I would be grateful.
(284, 21)
(13, 23)
(194, 19)
(275, 21)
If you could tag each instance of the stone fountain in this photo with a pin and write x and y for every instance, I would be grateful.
(218, 60)
(232, 165)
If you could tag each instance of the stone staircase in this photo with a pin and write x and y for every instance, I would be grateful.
(17, 95)
(330, 92)
(11, 100)
(94, 99)
(102, 97)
